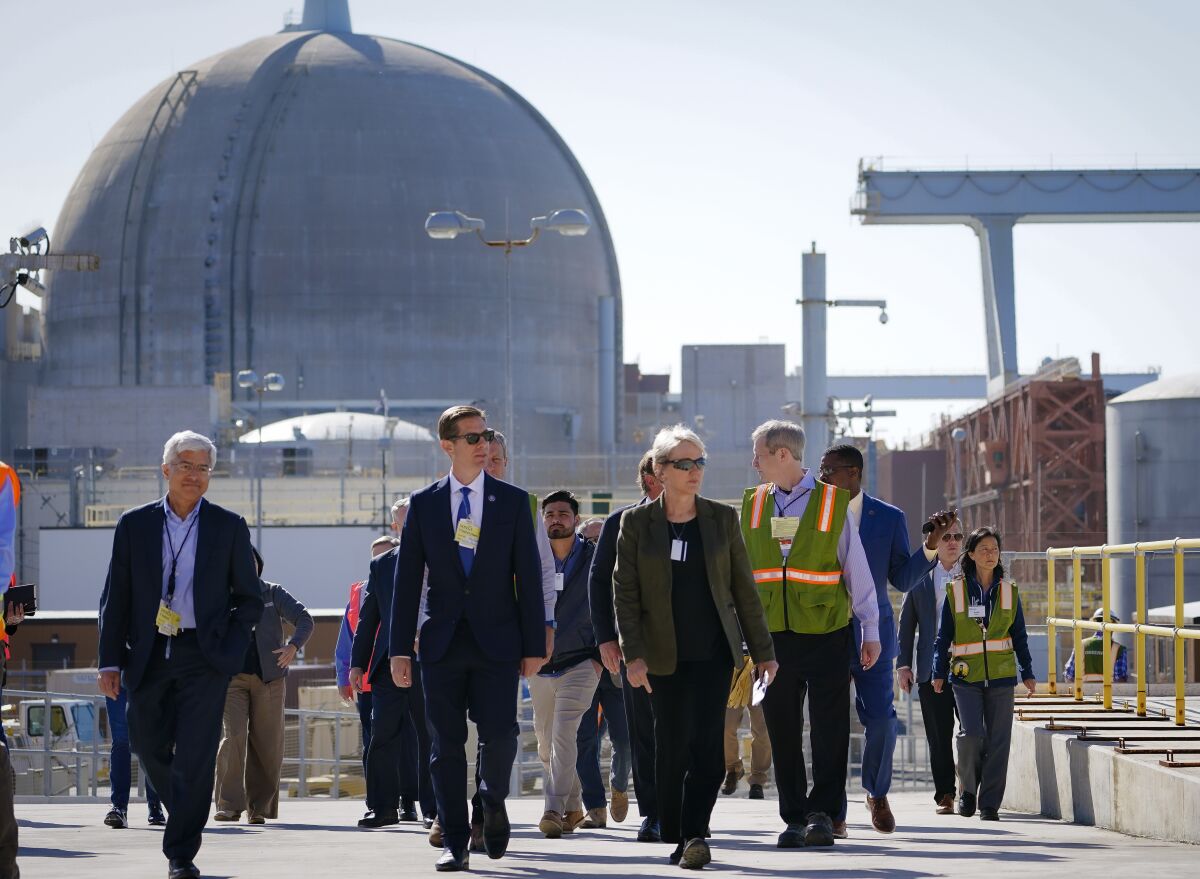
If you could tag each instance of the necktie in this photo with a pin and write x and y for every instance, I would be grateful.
(464, 512)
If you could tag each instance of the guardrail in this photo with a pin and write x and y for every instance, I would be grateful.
(49, 755)
(1105, 553)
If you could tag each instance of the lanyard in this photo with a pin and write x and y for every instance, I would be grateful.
(175, 553)
(780, 511)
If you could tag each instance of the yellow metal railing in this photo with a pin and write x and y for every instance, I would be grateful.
(1178, 633)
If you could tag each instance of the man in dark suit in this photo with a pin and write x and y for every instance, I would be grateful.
(883, 531)
(485, 627)
(180, 601)
(638, 712)
(919, 617)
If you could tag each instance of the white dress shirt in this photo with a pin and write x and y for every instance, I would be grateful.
(475, 498)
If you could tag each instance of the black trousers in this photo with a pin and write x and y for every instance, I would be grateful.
(937, 713)
(416, 784)
(389, 713)
(639, 712)
(175, 728)
(689, 739)
(812, 666)
(466, 682)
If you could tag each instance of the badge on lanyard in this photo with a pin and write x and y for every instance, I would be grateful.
(678, 550)
(783, 529)
(466, 534)
(167, 620)
(558, 582)
(975, 611)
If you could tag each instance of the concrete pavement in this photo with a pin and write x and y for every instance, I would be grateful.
(317, 838)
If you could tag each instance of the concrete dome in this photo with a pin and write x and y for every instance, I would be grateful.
(338, 427)
(265, 208)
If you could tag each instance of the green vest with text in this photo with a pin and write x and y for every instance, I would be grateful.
(804, 592)
(979, 655)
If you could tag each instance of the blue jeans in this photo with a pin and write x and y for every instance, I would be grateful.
(587, 763)
(120, 768)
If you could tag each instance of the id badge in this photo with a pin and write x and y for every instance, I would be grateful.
(678, 551)
(558, 582)
(167, 620)
(975, 611)
(466, 534)
(784, 527)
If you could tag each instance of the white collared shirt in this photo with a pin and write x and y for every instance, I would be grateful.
(475, 498)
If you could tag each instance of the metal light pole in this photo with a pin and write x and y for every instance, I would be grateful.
(272, 381)
(570, 222)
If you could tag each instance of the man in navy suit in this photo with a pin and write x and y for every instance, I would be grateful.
(883, 531)
(485, 627)
(180, 601)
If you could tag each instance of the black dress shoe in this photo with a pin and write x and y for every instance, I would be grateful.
(453, 862)
(379, 819)
(966, 804)
(182, 868)
(756, 792)
(427, 820)
(496, 830)
(649, 831)
(819, 830)
(157, 819)
(409, 814)
(792, 837)
(986, 814)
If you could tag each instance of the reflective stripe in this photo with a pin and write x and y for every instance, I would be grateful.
(1006, 594)
(756, 507)
(768, 575)
(816, 578)
(825, 521)
(960, 599)
(977, 647)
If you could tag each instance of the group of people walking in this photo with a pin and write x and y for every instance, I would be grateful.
(642, 631)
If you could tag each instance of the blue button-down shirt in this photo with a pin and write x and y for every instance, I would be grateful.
(185, 563)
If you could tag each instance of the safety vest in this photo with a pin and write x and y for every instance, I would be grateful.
(976, 655)
(1093, 658)
(8, 476)
(352, 612)
(805, 592)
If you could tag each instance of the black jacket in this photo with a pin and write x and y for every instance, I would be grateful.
(574, 640)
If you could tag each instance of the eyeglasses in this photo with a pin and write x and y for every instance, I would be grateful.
(189, 467)
(686, 464)
(473, 438)
(948, 537)
(829, 471)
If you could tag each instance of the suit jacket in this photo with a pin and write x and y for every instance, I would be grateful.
(600, 579)
(642, 585)
(919, 616)
(371, 640)
(279, 606)
(884, 534)
(226, 590)
(507, 622)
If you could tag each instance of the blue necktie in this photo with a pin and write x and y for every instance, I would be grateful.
(464, 512)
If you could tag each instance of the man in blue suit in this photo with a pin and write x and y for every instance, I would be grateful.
(486, 625)
(176, 615)
(884, 534)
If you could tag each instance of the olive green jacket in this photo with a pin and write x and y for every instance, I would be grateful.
(642, 586)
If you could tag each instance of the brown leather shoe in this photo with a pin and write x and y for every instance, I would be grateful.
(618, 809)
(945, 806)
(595, 818)
(839, 830)
(551, 824)
(476, 842)
(435, 834)
(572, 819)
(882, 818)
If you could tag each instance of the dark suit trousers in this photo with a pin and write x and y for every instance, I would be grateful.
(937, 712)
(466, 682)
(416, 784)
(175, 729)
(389, 706)
(812, 667)
(639, 712)
(689, 738)
(364, 719)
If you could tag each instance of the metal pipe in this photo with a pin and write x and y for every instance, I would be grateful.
(1105, 634)
(1139, 638)
(1077, 577)
(1180, 688)
(1051, 631)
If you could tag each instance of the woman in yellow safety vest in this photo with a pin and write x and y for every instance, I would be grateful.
(980, 644)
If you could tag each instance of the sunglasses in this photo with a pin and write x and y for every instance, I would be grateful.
(948, 537)
(686, 464)
(473, 438)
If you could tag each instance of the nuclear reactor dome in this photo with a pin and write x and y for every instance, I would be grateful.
(264, 209)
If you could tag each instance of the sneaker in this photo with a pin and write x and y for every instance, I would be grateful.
(157, 818)
(572, 819)
(819, 831)
(756, 792)
(551, 824)
(256, 819)
(618, 809)
(116, 819)
(595, 819)
(792, 837)
(227, 815)
(731, 782)
(695, 855)
(649, 831)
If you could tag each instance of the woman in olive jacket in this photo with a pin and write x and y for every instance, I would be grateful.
(685, 600)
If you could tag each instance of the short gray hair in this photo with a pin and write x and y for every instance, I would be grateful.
(667, 439)
(400, 504)
(502, 442)
(189, 441)
(779, 434)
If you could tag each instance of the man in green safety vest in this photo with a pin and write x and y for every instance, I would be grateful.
(811, 572)
(1093, 656)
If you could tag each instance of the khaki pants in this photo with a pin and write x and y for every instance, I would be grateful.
(760, 749)
(558, 704)
(251, 751)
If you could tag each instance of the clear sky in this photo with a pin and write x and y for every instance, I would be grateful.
(723, 137)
